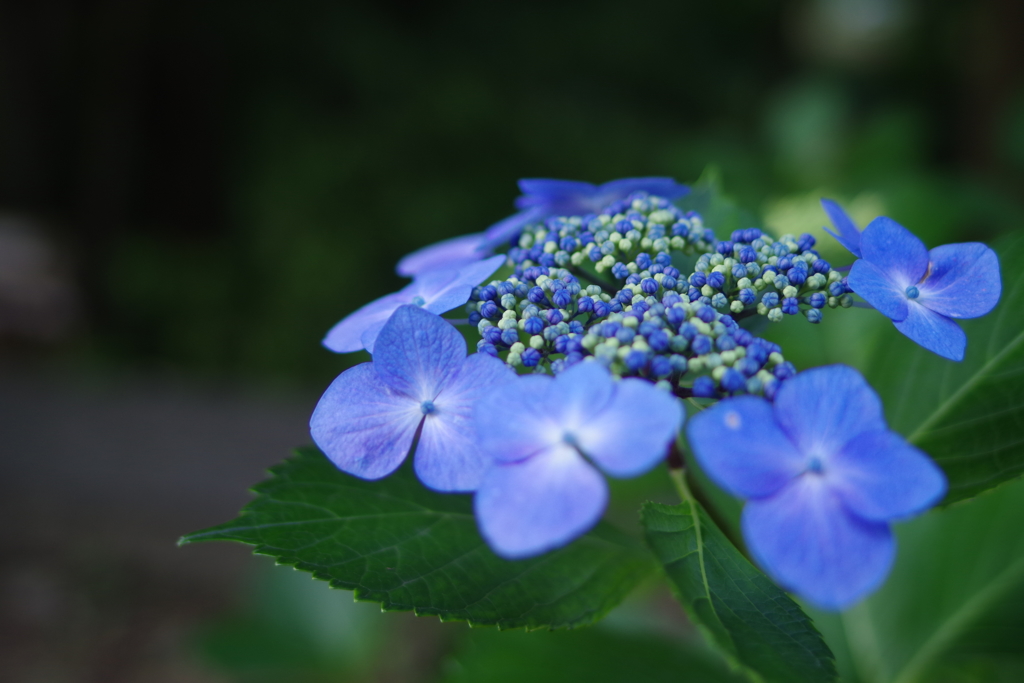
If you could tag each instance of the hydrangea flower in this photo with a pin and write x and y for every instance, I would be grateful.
(437, 291)
(823, 476)
(541, 492)
(923, 291)
(420, 382)
(848, 233)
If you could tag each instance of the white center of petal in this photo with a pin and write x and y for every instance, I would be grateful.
(733, 420)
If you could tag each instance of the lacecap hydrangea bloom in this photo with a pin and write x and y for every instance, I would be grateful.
(823, 477)
(921, 291)
(610, 307)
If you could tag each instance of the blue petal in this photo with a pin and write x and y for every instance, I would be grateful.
(741, 447)
(634, 430)
(347, 335)
(417, 353)
(822, 409)
(509, 436)
(531, 506)
(501, 232)
(454, 293)
(895, 251)
(935, 332)
(362, 425)
(576, 395)
(449, 456)
(657, 185)
(806, 540)
(449, 254)
(545, 192)
(849, 235)
(877, 289)
(881, 477)
(963, 281)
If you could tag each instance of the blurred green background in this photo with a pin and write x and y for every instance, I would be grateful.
(199, 190)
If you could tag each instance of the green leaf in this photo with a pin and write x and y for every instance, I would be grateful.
(398, 543)
(594, 655)
(955, 574)
(756, 625)
(968, 416)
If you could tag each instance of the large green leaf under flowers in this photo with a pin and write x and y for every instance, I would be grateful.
(754, 623)
(398, 543)
(968, 416)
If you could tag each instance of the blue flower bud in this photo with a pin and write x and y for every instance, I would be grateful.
(585, 304)
(732, 380)
(649, 285)
(636, 360)
(547, 260)
(487, 293)
(521, 290)
(796, 276)
(805, 242)
(492, 335)
(658, 340)
(703, 387)
(663, 259)
(758, 354)
(668, 282)
(817, 300)
(706, 314)
(625, 335)
(693, 294)
(661, 366)
(781, 282)
(595, 254)
(837, 289)
(716, 279)
(724, 248)
(568, 243)
(725, 343)
(813, 315)
(747, 255)
(586, 237)
(790, 306)
(751, 234)
(601, 309)
(484, 347)
(719, 301)
(784, 264)
(747, 366)
(784, 370)
(701, 345)
(698, 280)
(625, 296)
(561, 298)
(620, 271)
(643, 261)
(739, 271)
(537, 296)
(576, 327)
(532, 325)
(770, 299)
(553, 316)
(489, 309)
(747, 296)
(509, 336)
(530, 357)
(633, 279)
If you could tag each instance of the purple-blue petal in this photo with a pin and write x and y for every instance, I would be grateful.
(577, 394)
(449, 254)
(874, 285)
(348, 334)
(895, 251)
(881, 477)
(362, 425)
(448, 455)
(848, 234)
(509, 435)
(963, 281)
(634, 430)
(455, 292)
(418, 353)
(739, 444)
(547, 192)
(933, 331)
(822, 409)
(804, 538)
(657, 185)
(531, 506)
(501, 232)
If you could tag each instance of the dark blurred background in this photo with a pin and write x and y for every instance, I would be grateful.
(192, 193)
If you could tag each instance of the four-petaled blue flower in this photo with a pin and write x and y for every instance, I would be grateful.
(922, 291)
(437, 291)
(420, 381)
(824, 477)
(541, 492)
(541, 198)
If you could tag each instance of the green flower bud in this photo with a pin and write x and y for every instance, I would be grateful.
(775, 315)
(718, 372)
(743, 283)
(736, 307)
(537, 342)
(790, 291)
